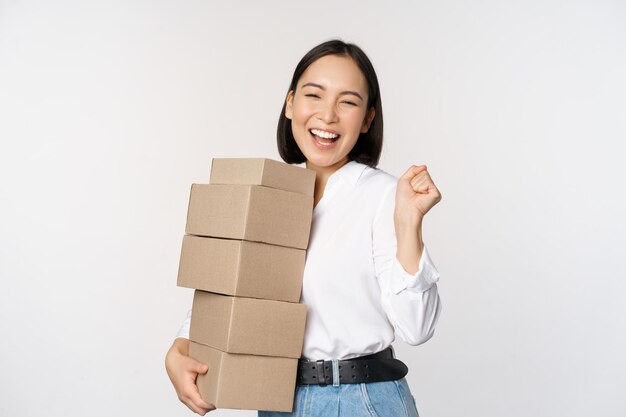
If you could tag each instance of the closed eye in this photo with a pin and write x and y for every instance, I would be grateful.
(350, 103)
(312, 95)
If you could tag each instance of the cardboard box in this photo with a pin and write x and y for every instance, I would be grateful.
(262, 171)
(248, 325)
(241, 268)
(250, 212)
(245, 382)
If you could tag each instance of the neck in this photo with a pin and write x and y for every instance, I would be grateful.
(321, 176)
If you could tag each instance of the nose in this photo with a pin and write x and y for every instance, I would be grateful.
(327, 113)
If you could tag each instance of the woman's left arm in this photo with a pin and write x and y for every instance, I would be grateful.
(402, 264)
(416, 194)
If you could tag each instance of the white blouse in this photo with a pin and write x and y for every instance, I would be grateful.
(356, 291)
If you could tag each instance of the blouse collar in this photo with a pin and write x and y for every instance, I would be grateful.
(348, 173)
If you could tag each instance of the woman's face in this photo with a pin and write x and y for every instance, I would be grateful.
(328, 110)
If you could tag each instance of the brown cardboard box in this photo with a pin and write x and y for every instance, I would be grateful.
(250, 212)
(262, 171)
(245, 382)
(248, 325)
(241, 268)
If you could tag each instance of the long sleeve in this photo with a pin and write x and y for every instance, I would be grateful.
(411, 302)
(184, 328)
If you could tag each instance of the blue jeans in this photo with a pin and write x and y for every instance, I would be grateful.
(373, 399)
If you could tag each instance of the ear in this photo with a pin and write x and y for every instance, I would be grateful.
(369, 118)
(289, 105)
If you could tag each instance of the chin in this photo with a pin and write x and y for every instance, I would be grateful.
(323, 162)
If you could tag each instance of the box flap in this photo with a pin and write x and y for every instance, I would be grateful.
(263, 171)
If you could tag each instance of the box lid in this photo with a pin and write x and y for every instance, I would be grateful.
(263, 171)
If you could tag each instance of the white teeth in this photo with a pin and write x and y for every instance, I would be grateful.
(325, 135)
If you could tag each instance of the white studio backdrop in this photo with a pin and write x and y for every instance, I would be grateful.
(110, 110)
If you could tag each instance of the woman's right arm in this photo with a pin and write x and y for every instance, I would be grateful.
(183, 372)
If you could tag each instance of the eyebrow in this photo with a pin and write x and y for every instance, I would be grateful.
(354, 93)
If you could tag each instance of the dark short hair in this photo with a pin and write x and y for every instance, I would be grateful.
(369, 145)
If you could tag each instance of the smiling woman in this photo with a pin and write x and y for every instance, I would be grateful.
(340, 72)
(328, 112)
(368, 276)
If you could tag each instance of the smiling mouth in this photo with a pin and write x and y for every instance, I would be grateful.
(323, 134)
(323, 137)
(324, 140)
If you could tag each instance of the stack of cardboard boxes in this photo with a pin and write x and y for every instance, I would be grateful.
(244, 253)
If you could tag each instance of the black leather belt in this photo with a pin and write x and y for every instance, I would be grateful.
(381, 366)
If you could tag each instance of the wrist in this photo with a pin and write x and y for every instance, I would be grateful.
(411, 221)
(181, 345)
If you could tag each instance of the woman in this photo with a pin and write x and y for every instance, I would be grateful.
(368, 275)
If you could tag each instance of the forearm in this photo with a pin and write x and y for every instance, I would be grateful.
(409, 243)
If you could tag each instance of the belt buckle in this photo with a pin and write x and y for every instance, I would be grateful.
(321, 373)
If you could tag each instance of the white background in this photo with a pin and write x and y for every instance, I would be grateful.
(110, 110)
